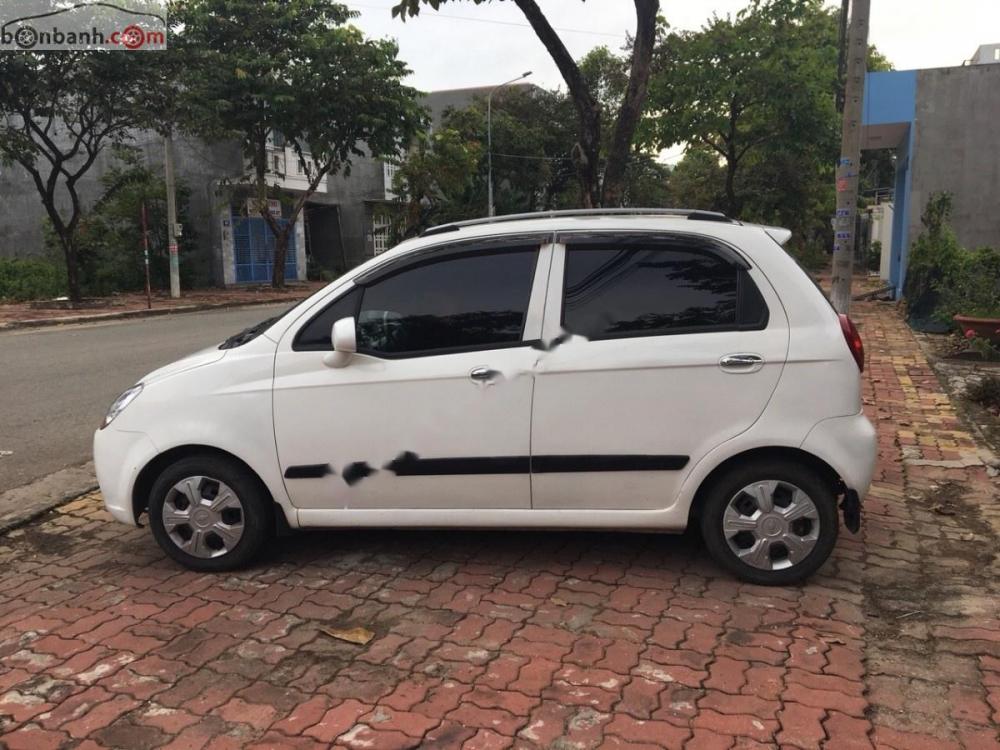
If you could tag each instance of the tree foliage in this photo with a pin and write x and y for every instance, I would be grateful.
(60, 110)
(597, 187)
(444, 178)
(110, 236)
(750, 87)
(753, 96)
(296, 69)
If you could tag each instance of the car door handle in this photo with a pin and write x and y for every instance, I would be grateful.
(741, 363)
(483, 373)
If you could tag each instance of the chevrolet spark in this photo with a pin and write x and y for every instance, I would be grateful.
(637, 370)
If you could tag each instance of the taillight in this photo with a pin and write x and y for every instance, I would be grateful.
(853, 339)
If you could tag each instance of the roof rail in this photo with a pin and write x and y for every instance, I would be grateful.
(687, 213)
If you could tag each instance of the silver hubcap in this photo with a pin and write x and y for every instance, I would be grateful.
(203, 517)
(771, 525)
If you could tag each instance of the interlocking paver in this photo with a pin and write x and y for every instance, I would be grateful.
(531, 639)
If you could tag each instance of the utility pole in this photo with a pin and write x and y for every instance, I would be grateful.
(489, 138)
(849, 164)
(145, 256)
(168, 170)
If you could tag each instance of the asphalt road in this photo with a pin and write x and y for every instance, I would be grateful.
(57, 383)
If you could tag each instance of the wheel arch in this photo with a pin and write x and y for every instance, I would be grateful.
(784, 453)
(147, 476)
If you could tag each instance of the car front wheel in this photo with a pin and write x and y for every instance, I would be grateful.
(771, 523)
(209, 513)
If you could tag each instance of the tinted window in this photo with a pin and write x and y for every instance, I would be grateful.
(466, 301)
(315, 335)
(620, 291)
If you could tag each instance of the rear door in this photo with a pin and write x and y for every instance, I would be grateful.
(676, 344)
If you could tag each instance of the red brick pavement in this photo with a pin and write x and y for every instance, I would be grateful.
(560, 640)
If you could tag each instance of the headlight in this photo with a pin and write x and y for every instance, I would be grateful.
(120, 403)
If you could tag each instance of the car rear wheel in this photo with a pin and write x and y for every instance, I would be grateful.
(771, 523)
(209, 513)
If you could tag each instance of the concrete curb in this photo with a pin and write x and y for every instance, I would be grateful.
(22, 505)
(155, 312)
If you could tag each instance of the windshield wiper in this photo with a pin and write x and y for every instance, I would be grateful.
(249, 334)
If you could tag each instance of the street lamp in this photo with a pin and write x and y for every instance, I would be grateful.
(489, 135)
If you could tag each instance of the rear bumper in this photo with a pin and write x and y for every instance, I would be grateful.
(119, 456)
(849, 445)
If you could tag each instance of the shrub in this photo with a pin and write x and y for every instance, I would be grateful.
(935, 258)
(23, 279)
(985, 392)
(110, 233)
(875, 255)
(810, 256)
(973, 287)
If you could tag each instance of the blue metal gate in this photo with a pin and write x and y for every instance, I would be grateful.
(253, 249)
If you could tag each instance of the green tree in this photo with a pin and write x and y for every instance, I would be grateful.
(533, 139)
(60, 110)
(110, 236)
(267, 71)
(596, 189)
(760, 82)
(434, 180)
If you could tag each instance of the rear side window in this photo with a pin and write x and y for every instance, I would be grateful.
(612, 291)
(463, 302)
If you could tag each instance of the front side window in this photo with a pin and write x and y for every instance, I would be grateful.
(478, 300)
(315, 336)
(646, 290)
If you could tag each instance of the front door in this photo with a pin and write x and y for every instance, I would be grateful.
(675, 349)
(434, 410)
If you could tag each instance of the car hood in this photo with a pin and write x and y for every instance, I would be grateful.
(198, 359)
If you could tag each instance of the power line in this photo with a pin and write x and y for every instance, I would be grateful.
(496, 22)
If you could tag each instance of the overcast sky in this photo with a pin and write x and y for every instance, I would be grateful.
(466, 45)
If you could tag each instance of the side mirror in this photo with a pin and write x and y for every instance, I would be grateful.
(344, 341)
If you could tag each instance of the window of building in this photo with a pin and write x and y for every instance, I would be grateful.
(278, 162)
(380, 233)
(615, 291)
(389, 171)
(467, 301)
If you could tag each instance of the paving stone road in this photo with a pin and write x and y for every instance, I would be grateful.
(528, 640)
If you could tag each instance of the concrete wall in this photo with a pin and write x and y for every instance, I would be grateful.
(956, 147)
(197, 165)
(343, 233)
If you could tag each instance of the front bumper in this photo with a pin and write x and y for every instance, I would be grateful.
(119, 456)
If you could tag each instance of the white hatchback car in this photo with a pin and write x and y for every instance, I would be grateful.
(635, 369)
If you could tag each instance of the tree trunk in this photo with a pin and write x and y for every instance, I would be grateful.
(72, 266)
(620, 149)
(733, 201)
(280, 253)
(66, 232)
(587, 155)
(588, 110)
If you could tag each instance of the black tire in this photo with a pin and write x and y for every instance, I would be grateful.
(256, 512)
(726, 487)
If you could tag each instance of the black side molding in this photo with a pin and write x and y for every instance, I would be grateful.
(308, 471)
(409, 464)
(611, 462)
